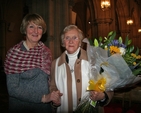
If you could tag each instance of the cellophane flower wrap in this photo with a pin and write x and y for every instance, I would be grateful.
(113, 65)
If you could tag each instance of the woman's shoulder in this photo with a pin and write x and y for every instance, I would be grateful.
(47, 49)
(61, 59)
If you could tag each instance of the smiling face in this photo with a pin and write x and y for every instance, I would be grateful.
(72, 41)
(33, 33)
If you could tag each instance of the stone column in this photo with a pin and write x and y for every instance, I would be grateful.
(102, 21)
(103, 26)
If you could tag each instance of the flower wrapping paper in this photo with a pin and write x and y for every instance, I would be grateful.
(115, 71)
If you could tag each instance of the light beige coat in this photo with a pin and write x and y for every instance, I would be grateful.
(61, 80)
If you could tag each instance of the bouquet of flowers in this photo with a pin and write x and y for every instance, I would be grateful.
(114, 64)
(126, 50)
(119, 63)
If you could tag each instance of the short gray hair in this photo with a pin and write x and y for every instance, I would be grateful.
(68, 28)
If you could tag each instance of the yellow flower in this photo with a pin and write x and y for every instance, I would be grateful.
(133, 55)
(134, 63)
(114, 49)
(138, 57)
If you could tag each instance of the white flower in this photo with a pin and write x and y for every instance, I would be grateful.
(105, 47)
(122, 50)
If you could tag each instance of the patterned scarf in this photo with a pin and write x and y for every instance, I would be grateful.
(18, 61)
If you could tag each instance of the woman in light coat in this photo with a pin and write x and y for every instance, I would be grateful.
(69, 74)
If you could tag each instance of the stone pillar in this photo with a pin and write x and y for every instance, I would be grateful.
(102, 21)
(60, 18)
(103, 26)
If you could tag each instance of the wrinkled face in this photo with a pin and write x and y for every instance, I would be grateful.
(72, 41)
(33, 32)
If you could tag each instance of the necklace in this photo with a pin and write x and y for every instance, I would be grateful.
(71, 68)
(67, 60)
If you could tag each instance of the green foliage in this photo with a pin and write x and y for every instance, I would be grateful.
(96, 44)
(120, 40)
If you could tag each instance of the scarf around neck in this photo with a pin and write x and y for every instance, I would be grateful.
(18, 60)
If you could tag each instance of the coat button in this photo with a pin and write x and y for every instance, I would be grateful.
(78, 80)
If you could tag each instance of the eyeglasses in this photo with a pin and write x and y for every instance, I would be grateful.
(71, 38)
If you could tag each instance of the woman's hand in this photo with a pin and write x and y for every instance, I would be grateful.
(54, 96)
(96, 96)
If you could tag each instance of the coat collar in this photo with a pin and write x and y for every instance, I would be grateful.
(81, 55)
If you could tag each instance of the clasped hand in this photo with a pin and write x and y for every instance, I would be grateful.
(54, 97)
